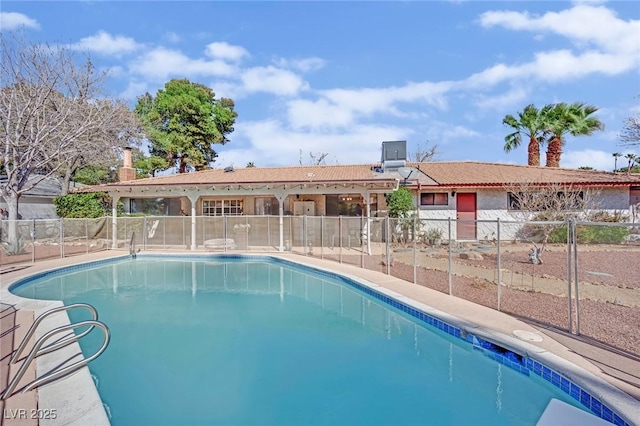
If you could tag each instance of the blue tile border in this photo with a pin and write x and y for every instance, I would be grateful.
(520, 363)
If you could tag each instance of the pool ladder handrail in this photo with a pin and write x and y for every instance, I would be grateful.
(132, 245)
(38, 349)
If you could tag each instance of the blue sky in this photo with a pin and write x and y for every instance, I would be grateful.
(341, 77)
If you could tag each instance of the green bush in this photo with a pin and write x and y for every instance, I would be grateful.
(400, 202)
(592, 234)
(90, 205)
(587, 234)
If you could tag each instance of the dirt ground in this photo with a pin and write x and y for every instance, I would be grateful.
(609, 283)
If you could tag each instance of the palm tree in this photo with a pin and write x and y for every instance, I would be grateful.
(531, 123)
(631, 158)
(616, 155)
(573, 119)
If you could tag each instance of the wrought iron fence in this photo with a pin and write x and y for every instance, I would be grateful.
(578, 276)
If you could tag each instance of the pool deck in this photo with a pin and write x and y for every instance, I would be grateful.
(613, 377)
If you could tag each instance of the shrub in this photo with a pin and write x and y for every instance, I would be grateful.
(90, 205)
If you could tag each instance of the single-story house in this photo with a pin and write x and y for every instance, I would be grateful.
(466, 190)
(37, 202)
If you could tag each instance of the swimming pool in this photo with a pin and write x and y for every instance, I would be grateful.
(231, 340)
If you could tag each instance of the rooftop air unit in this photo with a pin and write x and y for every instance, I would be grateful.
(394, 155)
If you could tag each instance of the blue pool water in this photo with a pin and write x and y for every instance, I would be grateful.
(225, 341)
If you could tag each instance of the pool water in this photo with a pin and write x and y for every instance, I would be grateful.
(237, 342)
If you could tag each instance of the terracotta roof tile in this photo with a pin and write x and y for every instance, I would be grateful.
(460, 173)
(471, 173)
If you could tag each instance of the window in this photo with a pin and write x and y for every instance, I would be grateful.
(513, 201)
(266, 206)
(434, 199)
(542, 201)
(221, 207)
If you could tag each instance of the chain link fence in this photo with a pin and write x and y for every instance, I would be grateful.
(582, 277)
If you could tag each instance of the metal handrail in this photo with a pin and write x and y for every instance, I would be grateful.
(132, 245)
(56, 374)
(55, 345)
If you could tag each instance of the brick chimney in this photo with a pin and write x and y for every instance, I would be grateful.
(127, 172)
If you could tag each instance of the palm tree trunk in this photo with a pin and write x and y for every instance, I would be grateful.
(554, 151)
(534, 152)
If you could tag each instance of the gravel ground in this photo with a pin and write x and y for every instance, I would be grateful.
(617, 268)
(618, 326)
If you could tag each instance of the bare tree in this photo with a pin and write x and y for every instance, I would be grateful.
(630, 134)
(315, 158)
(103, 145)
(548, 204)
(424, 154)
(50, 106)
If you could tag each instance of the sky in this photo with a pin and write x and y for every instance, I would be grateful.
(339, 78)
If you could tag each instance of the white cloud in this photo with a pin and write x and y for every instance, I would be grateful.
(272, 80)
(599, 160)
(604, 44)
(107, 44)
(458, 132)
(135, 89)
(515, 96)
(161, 63)
(271, 143)
(225, 51)
(13, 20)
(172, 37)
(341, 107)
(318, 114)
(303, 65)
(583, 24)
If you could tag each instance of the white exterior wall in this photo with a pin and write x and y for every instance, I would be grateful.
(491, 204)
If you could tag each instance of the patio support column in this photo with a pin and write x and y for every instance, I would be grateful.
(114, 221)
(281, 196)
(193, 198)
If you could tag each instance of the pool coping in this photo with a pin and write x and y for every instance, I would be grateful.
(82, 403)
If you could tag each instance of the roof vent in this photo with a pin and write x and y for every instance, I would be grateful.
(228, 169)
(394, 155)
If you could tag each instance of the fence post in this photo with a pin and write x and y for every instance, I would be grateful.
(304, 235)
(321, 237)
(62, 238)
(144, 233)
(499, 264)
(449, 267)
(569, 278)
(575, 272)
(86, 233)
(386, 240)
(340, 238)
(269, 231)
(33, 242)
(362, 244)
(415, 250)
(224, 232)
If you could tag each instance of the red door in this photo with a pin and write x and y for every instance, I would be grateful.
(466, 215)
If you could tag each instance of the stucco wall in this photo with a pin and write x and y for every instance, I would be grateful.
(492, 204)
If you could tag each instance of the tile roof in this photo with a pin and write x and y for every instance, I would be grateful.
(460, 173)
(264, 175)
(472, 173)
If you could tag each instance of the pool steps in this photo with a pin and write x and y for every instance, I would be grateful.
(39, 348)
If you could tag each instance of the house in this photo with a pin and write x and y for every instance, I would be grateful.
(37, 202)
(467, 190)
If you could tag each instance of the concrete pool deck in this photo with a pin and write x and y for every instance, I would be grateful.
(76, 400)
